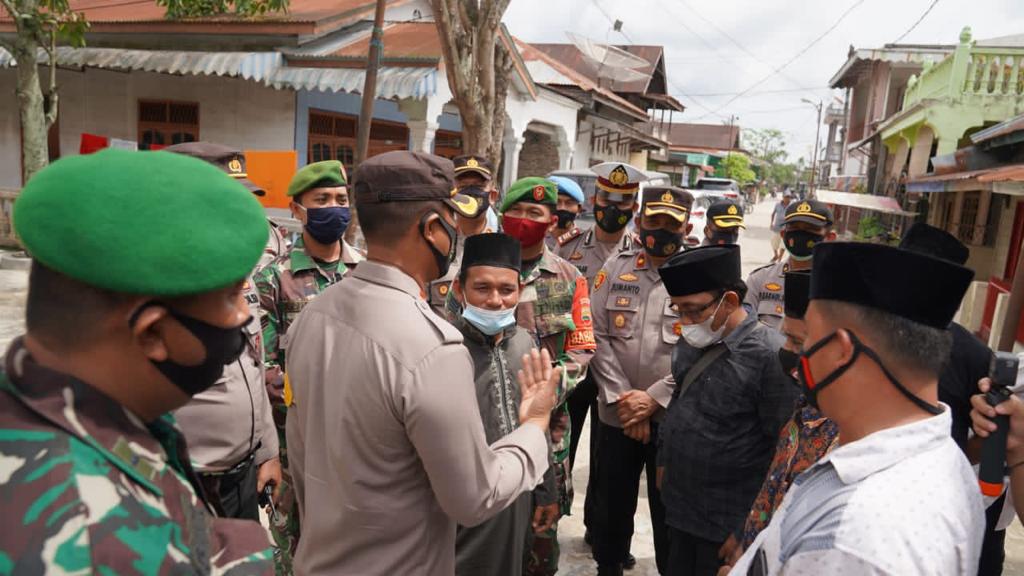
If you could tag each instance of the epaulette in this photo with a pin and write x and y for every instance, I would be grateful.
(571, 234)
(766, 266)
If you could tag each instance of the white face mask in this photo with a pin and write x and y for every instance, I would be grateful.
(701, 335)
(490, 322)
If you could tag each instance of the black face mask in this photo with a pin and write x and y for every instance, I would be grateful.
(789, 361)
(326, 225)
(660, 243)
(223, 346)
(444, 261)
(611, 219)
(814, 387)
(565, 217)
(718, 238)
(800, 243)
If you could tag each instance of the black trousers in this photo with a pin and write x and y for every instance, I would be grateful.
(583, 400)
(236, 491)
(616, 484)
(691, 555)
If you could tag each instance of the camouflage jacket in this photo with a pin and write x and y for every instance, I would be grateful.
(285, 286)
(87, 488)
(554, 308)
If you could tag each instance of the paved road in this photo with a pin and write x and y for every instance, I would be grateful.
(576, 559)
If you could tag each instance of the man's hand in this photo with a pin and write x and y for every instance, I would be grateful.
(270, 472)
(634, 406)
(544, 517)
(538, 382)
(641, 431)
(982, 413)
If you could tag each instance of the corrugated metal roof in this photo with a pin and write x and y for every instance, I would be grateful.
(392, 82)
(883, 204)
(859, 60)
(248, 65)
(263, 67)
(571, 56)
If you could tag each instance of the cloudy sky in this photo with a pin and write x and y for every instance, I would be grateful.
(715, 49)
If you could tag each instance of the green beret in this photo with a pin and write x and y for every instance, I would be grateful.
(329, 173)
(534, 190)
(154, 223)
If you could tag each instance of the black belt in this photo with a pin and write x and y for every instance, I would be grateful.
(238, 469)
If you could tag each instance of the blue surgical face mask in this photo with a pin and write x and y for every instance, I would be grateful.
(490, 322)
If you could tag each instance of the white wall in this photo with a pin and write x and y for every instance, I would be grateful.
(232, 111)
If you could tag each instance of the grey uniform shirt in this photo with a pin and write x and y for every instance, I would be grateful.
(223, 424)
(636, 330)
(582, 249)
(385, 439)
(766, 288)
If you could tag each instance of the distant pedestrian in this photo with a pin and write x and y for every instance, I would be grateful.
(778, 221)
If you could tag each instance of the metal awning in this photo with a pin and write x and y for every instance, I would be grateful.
(267, 68)
(883, 204)
(392, 82)
(1007, 180)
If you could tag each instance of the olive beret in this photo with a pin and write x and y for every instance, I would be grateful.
(154, 223)
(533, 190)
(329, 173)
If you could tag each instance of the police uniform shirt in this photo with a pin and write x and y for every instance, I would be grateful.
(765, 293)
(385, 440)
(583, 250)
(898, 501)
(636, 330)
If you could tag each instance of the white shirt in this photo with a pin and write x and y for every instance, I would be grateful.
(897, 502)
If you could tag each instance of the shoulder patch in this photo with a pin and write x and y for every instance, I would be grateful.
(564, 238)
(599, 280)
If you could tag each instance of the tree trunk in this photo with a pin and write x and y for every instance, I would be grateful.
(477, 65)
(34, 146)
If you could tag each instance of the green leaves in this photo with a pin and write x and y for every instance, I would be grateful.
(184, 9)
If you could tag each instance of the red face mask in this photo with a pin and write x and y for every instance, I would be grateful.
(528, 232)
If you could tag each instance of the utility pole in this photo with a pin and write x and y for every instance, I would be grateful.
(373, 58)
(814, 161)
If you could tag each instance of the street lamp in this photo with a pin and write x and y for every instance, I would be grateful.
(817, 135)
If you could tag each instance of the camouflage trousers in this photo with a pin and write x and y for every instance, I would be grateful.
(542, 555)
(284, 529)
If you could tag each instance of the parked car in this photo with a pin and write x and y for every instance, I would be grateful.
(724, 186)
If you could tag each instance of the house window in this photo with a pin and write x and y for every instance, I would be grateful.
(332, 136)
(166, 122)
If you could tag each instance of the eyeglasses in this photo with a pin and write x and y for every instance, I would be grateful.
(695, 314)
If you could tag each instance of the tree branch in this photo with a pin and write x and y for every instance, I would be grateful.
(51, 104)
(15, 15)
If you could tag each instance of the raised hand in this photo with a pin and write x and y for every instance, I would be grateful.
(538, 381)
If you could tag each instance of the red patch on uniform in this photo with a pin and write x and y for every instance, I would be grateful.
(677, 329)
(599, 280)
(538, 193)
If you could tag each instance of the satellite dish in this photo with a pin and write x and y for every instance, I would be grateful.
(610, 62)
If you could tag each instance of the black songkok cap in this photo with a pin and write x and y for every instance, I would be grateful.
(704, 269)
(498, 250)
(935, 242)
(911, 285)
(798, 286)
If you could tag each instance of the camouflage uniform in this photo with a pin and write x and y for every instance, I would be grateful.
(285, 286)
(88, 488)
(277, 244)
(554, 307)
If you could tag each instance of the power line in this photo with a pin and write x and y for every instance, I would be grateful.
(794, 58)
(612, 20)
(736, 43)
(911, 29)
(779, 91)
